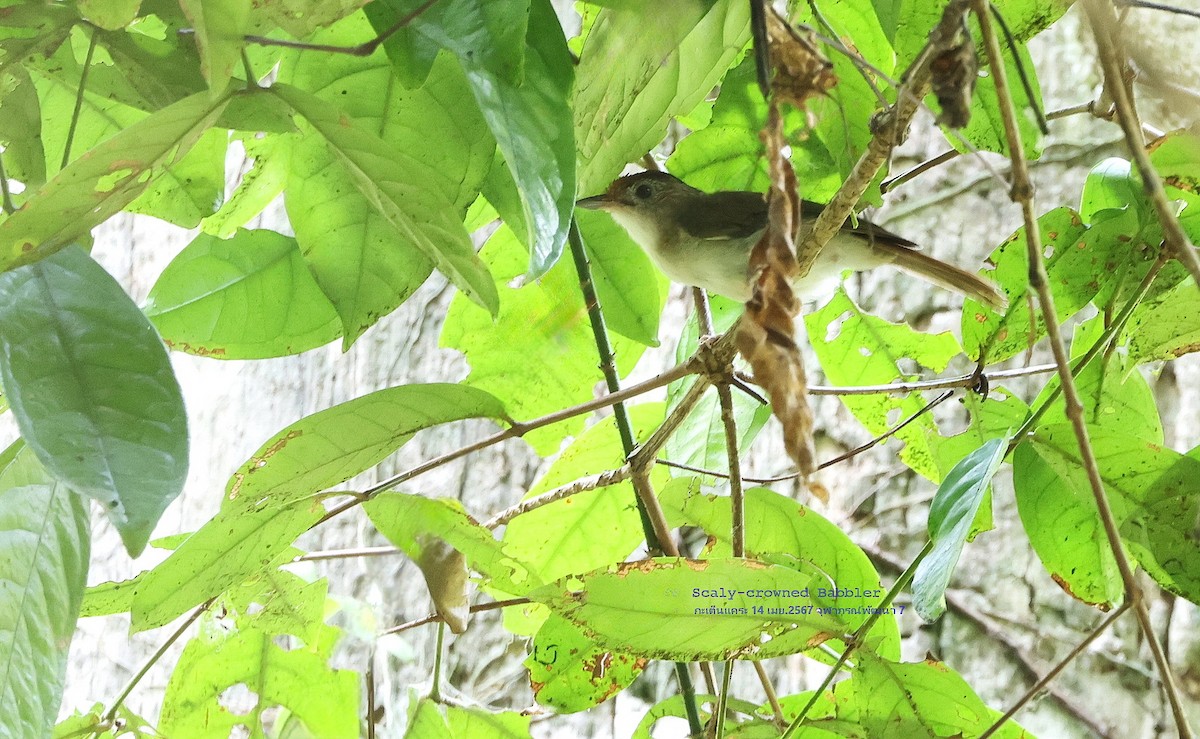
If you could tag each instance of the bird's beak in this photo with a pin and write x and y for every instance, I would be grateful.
(595, 202)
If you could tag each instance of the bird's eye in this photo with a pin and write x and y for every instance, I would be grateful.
(643, 192)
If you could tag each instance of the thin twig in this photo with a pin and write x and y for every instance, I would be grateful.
(592, 482)
(153, 660)
(1158, 6)
(348, 553)
(1104, 27)
(83, 78)
(364, 49)
(828, 463)
(1022, 193)
(1054, 672)
(433, 617)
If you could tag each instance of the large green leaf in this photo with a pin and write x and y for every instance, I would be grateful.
(1077, 255)
(231, 548)
(409, 521)
(781, 531)
(92, 389)
(683, 609)
(44, 544)
(333, 445)
(248, 297)
(632, 81)
(569, 672)
(392, 182)
(363, 263)
(516, 60)
(96, 186)
(1154, 494)
(630, 290)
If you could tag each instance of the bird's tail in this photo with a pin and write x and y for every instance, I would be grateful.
(941, 273)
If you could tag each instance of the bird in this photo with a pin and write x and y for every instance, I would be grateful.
(705, 239)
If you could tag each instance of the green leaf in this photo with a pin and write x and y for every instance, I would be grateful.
(855, 348)
(1110, 185)
(232, 547)
(249, 297)
(781, 531)
(92, 389)
(1169, 328)
(686, 610)
(325, 700)
(1154, 497)
(44, 549)
(629, 288)
(543, 329)
(478, 723)
(951, 515)
(986, 127)
(333, 445)
(845, 112)
(21, 130)
(1078, 255)
(438, 119)
(409, 521)
(569, 673)
(533, 128)
(1161, 531)
(390, 180)
(109, 14)
(1114, 394)
(258, 186)
(631, 82)
(220, 28)
(492, 33)
(516, 60)
(366, 265)
(193, 188)
(920, 699)
(96, 186)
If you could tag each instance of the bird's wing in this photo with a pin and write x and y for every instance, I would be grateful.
(725, 215)
(738, 215)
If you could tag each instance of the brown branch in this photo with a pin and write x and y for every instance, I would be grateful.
(890, 129)
(1054, 672)
(1022, 194)
(592, 482)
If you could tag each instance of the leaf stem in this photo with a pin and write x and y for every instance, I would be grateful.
(83, 77)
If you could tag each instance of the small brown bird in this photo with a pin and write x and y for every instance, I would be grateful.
(705, 239)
